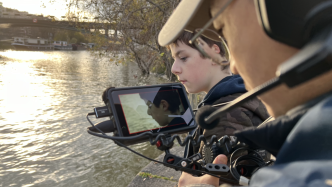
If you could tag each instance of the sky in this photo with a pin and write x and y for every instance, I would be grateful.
(44, 7)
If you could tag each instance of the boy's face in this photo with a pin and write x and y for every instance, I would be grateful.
(158, 113)
(193, 71)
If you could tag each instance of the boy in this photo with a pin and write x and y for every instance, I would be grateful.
(199, 74)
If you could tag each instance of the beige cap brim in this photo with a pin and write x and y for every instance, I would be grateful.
(188, 15)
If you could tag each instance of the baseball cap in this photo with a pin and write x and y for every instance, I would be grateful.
(188, 15)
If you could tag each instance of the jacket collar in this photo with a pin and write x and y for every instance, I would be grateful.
(227, 86)
(272, 135)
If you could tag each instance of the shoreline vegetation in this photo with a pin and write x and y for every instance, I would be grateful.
(132, 26)
(124, 58)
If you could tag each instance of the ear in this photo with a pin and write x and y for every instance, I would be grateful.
(216, 49)
(164, 104)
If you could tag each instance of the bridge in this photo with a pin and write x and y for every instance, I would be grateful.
(84, 27)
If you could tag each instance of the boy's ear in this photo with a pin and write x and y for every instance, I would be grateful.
(216, 48)
(164, 104)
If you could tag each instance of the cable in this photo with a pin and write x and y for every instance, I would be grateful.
(255, 158)
(87, 117)
(258, 159)
(159, 136)
(173, 166)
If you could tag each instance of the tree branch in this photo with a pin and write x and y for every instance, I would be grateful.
(157, 6)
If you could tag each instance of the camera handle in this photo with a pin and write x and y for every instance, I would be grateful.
(188, 165)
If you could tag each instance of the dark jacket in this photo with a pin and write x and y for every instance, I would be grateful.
(249, 114)
(301, 141)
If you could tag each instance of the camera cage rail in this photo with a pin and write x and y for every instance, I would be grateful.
(165, 142)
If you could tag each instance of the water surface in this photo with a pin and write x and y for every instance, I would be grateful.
(44, 99)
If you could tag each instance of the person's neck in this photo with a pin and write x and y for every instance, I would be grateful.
(169, 119)
(216, 79)
(282, 99)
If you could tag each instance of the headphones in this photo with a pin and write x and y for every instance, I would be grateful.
(294, 22)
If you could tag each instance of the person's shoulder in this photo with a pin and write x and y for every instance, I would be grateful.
(324, 107)
(226, 99)
(252, 111)
(177, 120)
(310, 139)
(316, 173)
(319, 115)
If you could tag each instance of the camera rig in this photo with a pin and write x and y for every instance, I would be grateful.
(197, 164)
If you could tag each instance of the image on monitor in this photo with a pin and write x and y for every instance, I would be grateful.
(152, 110)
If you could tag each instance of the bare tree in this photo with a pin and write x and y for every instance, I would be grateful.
(135, 26)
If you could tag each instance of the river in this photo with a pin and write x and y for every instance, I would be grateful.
(44, 99)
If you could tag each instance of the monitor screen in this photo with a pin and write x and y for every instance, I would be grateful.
(155, 109)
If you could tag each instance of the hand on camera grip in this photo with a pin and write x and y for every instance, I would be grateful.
(188, 179)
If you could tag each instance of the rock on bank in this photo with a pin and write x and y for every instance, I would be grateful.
(155, 174)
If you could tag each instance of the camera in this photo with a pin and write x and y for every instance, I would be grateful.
(157, 114)
(243, 160)
(133, 111)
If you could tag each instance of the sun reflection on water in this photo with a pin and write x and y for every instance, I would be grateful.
(22, 92)
(44, 97)
(39, 111)
(25, 55)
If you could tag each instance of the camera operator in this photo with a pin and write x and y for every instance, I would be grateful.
(299, 137)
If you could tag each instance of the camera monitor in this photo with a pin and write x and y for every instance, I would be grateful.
(158, 109)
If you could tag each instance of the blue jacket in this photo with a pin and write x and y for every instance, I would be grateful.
(227, 86)
(302, 142)
(251, 113)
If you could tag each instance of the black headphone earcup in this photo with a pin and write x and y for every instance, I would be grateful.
(294, 22)
(202, 113)
(317, 19)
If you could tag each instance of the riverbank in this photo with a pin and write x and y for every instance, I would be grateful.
(155, 174)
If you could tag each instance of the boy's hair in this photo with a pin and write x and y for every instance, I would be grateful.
(169, 95)
(186, 36)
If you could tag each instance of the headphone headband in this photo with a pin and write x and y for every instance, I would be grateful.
(294, 22)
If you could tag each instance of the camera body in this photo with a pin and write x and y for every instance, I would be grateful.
(156, 109)
(243, 159)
